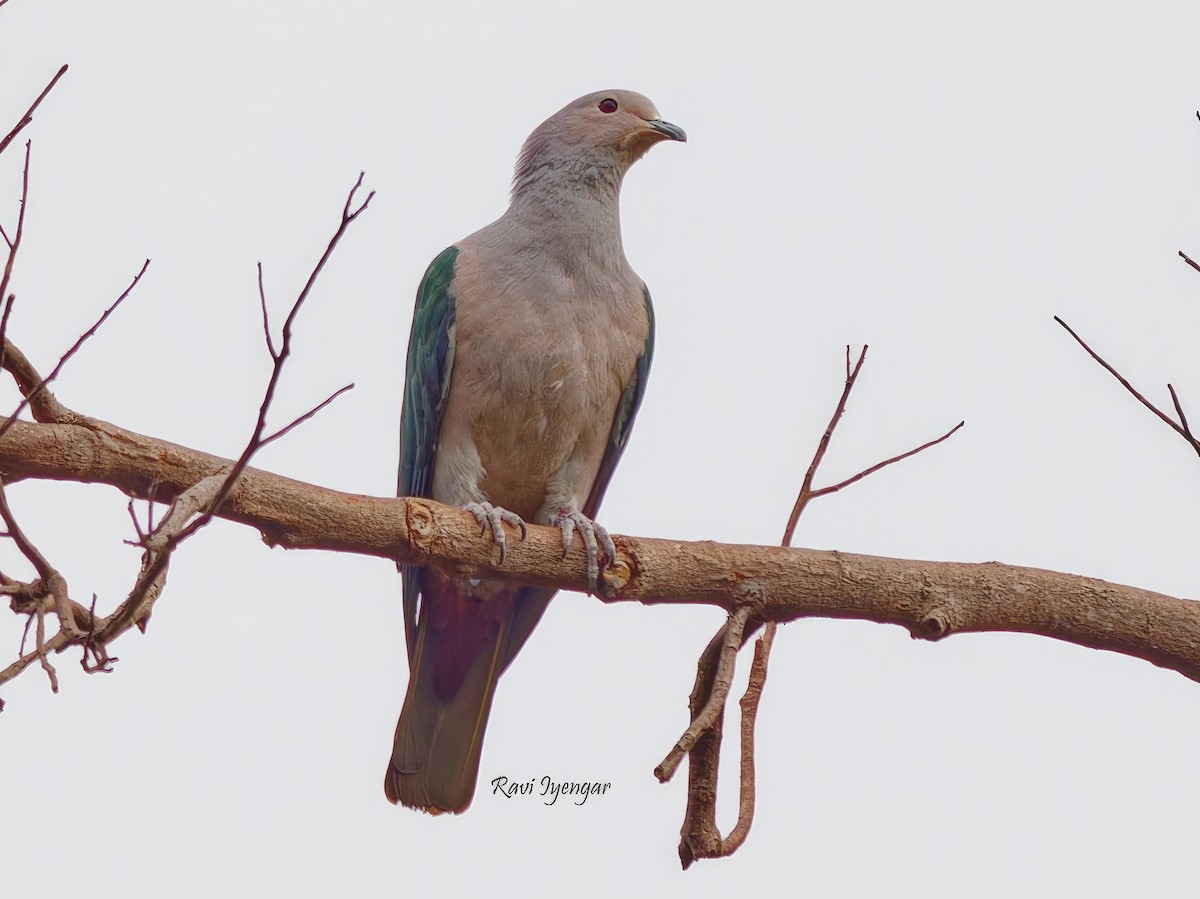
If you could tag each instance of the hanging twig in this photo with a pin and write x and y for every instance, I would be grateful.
(701, 838)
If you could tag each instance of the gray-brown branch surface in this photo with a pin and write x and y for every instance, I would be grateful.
(931, 599)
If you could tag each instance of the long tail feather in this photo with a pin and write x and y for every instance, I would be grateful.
(464, 642)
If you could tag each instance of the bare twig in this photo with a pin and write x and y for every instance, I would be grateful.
(43, 404)
(1182, 431)
(834, 488)
(731, 642)
(701, 838)
(52, 583)
(44, 569)
(204, 499)
(57, 643)
(296, 422)
(806, 491)
(191, 510)
(280, 357)
(15, 244)
(41, 648)
(749, 704)
(1179, 411)
(8, 304)
(25, 635)
(135, 610)
(262, 298)
(137, 525)
(1190, 261)
(103, 661)
(31, 394)
(28, 117)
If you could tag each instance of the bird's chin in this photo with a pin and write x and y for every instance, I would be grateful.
(636, 145)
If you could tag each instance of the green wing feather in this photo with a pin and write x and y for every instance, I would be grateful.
(427, 382)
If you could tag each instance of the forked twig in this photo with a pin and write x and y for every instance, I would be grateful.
(701, 838)
(52, 583)
(192, 509)
(1180, 427)
(279, 358)
(206, 497)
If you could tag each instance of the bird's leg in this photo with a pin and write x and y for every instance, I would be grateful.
(492, 517)
(594, 538)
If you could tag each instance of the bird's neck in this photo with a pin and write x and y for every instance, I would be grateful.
(575, 203)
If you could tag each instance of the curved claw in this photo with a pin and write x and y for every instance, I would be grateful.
(492, 517)
(595, 538)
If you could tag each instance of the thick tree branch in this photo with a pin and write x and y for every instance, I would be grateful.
(930, 599)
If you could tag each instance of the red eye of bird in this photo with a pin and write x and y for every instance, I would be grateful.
(608, 104)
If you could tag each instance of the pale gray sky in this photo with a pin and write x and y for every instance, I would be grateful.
(935, 179)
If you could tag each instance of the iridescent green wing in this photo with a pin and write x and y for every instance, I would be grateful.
(426, 384)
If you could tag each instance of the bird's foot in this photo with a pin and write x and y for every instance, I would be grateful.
(594, 538)
(492, 517)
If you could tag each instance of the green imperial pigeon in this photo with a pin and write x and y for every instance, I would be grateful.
(528, 359)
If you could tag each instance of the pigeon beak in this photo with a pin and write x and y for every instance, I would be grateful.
(674, 132)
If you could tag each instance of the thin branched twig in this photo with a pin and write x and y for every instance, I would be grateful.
(1180, 428)
(701, 838)
(191, 510)
(173, 531)
(280, 357)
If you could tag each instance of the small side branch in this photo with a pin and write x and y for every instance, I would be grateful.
(192, 509)
(33, 390)
(1179, 427)
(15, 243)
(279, 357)
(731, 642)
(1189, 260)
(28, 116)
(48, 593)
(152, 578)
(700, 836)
